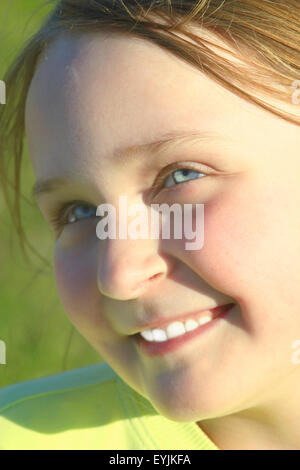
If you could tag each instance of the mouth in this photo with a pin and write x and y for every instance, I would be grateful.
(197, 316)
(169, 336)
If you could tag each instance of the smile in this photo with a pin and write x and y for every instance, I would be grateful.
(163, 340)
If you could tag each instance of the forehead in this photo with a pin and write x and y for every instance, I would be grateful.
(96, 92)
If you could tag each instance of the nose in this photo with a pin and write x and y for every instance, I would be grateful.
(127, 267)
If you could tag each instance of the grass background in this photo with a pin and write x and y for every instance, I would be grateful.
(39, 338)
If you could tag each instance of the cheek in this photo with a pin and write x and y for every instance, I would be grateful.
(76, 281)
(242, 237)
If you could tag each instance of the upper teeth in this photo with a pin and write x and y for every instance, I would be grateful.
(174, 329)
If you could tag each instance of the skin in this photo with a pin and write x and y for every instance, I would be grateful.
(94, 93)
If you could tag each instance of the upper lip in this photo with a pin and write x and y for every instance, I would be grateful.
(162, 322)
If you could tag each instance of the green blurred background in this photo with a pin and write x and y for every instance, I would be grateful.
(39, 338)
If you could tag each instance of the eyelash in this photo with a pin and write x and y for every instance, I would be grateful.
(58, 218)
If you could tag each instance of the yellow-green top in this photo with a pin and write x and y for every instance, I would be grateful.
(89, 408)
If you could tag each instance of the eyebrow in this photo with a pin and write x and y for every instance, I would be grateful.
(164, 143)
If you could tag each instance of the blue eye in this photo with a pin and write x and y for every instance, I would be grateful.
(79, 212)
(70, 213)
(75, 211)
(179, 176)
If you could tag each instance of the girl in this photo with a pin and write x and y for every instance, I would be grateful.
(165, 102)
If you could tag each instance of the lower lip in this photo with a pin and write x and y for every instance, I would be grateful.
(153, 348)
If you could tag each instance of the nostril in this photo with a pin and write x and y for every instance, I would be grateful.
(147, 281)
(155, 276)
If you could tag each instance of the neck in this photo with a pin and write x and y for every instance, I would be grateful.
(271, 424)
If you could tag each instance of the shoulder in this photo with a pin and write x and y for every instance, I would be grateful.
(80, 408)
(60, 383)
(89, 408)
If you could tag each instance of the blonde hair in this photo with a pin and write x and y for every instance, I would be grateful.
(270, 30)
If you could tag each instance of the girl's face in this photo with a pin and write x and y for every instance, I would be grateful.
(96, 94)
